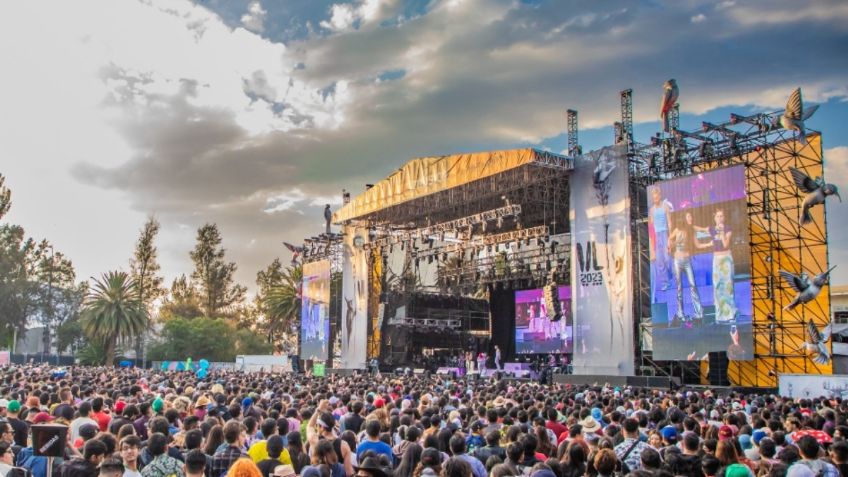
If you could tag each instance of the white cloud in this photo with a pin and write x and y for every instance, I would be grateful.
(344, 16)
(698, 18)
(254, 19)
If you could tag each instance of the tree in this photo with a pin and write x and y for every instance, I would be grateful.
(212, 275)
(281, 303)
(54, 294)
(36, 283)
(144, 270)
(112, 312)
(183, 301)
(5, 197)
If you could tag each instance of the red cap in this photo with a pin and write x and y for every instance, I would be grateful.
(378, 403)
(42, 417)
(725, 432)
(119, 407)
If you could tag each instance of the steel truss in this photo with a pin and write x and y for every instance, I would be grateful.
(777, 241)
(328, 247)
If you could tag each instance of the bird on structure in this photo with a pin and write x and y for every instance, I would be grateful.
(817, 192)
(807, 289)
(296, 251)
(794, 116)
(817, 343)
(669, 99)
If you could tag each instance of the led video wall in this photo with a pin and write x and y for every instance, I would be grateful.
(315, 311)
(700, 266)
(534, 332)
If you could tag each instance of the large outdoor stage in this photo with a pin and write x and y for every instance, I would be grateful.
(665, 259)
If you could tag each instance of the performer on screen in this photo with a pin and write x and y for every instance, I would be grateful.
(723, 270)
(659, 223)
(682, 242)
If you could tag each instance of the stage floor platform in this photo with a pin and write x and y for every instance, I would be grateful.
(660, 382)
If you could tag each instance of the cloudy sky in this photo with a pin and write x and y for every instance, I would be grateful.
(254, 113)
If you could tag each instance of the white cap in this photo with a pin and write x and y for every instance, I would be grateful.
(4, 403)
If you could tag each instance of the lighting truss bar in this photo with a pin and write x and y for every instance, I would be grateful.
(573, 142)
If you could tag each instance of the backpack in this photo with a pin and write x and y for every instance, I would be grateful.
(817, 466)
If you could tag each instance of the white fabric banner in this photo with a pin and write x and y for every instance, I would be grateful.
(601, 263)
(813, 386)
(354, 334)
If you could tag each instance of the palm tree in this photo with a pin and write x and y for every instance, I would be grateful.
(113, 313)
(282, 303)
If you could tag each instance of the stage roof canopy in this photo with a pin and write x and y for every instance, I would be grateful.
(429, 175)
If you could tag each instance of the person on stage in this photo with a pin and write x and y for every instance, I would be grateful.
(659, 225)
(469, 362)
(682, 242)
(481, 362)
(498, 357)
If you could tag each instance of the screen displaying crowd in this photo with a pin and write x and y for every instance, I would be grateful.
(129, 422)
(700, 266)
(534, 330)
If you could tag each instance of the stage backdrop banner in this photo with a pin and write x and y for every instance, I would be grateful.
(354, 299)
(315, 311)
(601, 263)
(813, 386)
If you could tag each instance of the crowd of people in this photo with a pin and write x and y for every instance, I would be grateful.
(149, 423)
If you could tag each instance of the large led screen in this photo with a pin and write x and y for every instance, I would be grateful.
(700, 266)
(534, 332)
(315, 311)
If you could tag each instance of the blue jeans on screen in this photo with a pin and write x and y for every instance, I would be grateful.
(682, 265)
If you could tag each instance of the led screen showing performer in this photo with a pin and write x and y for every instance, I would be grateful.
(700, 266)
(534, 332)
(314, 312)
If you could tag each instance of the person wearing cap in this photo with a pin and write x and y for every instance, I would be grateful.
(4, 403)
(20, 426)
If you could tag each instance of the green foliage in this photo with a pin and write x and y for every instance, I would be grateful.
(281, 304)
(69, 336)
(251, 342)
(36, 283)
(5, 197)
(205, 338)
(95, 353)
(112, 312)
(182, 302)
(144, 268)
(212, 275)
